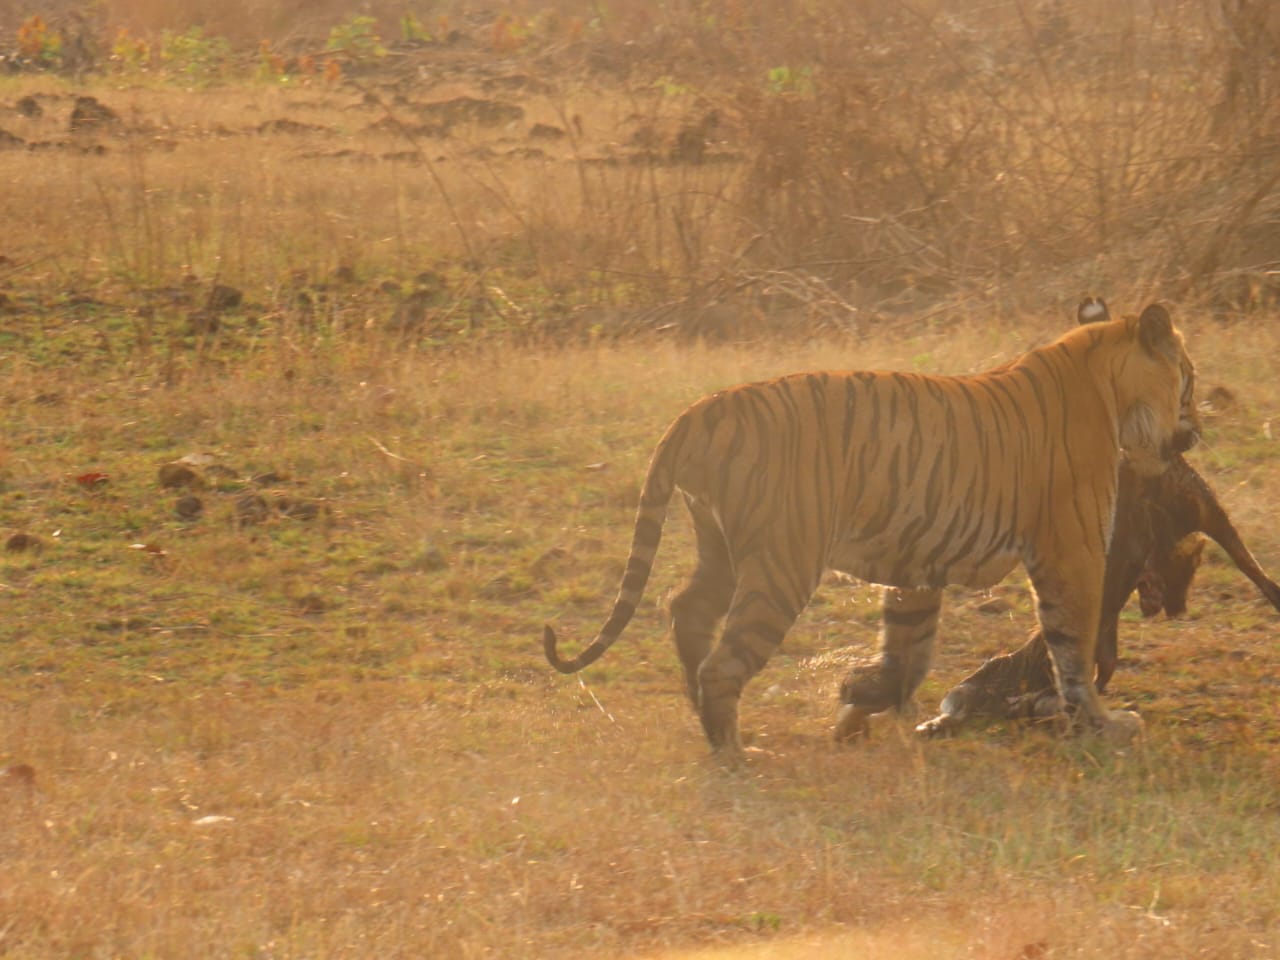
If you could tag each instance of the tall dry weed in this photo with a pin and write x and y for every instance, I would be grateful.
(841, 160)
(929, 152)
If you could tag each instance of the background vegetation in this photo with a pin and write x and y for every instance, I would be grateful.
(840, 164)
(333, 345)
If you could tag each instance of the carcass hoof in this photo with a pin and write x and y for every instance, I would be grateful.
(943, 725)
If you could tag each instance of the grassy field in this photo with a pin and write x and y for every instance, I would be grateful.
(336, 736)
(413, 375)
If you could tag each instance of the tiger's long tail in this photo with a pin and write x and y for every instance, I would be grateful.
(659, 485)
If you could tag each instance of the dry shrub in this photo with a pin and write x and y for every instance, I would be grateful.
(923, 152)
(846, 159)
(901, 156)
(247, 21)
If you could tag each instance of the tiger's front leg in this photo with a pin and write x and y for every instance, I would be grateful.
(909, 625)
(1068, 604)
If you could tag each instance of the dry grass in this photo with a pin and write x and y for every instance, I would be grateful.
(400, 773)
(865, 156)
(332, 733)
(199, 193)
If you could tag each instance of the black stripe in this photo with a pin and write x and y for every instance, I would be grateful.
(850, 410)
(888, 508)
(648, 531)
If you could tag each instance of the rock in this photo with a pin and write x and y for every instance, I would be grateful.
(189, 507)
(223, 298)
(546, 131)
(21, 542)
(91, 114)
(175, 476)
(250, 509)
(298, 509)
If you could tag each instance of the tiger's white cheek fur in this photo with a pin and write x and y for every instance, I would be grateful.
(1144, 441)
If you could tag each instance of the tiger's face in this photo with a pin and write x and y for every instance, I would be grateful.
(1156, 392)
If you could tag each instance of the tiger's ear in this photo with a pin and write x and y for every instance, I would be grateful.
(1155, 329)
(1092, 310)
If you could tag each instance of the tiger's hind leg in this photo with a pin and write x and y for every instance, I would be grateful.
(698, 608)
(910, 623)
(766, 602)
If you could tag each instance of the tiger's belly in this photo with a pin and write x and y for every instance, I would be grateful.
(891, 564)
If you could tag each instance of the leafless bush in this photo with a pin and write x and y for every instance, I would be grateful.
(867, 157)
(920, 152)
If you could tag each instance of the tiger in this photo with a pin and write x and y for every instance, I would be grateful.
(912, 482)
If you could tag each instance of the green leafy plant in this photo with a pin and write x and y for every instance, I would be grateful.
(671, 87)
(357, 38)
(193, 56)
(129, 53)
(38, 43)
(272, 66)
(790, 80)
(412, 30)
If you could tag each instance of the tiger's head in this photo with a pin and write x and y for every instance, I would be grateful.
(1154, 380)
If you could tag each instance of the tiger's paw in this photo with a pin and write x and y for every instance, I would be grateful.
(739, 759)
(728, 758)
(1118, 728)
(852, 723)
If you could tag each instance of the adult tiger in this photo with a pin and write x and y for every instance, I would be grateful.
(914, 482)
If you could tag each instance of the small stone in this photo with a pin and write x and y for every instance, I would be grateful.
(312, 604)
(223, 297)
(19, 774)
(189, 507)
(174, 476)
(21, 542)
(251, 508)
